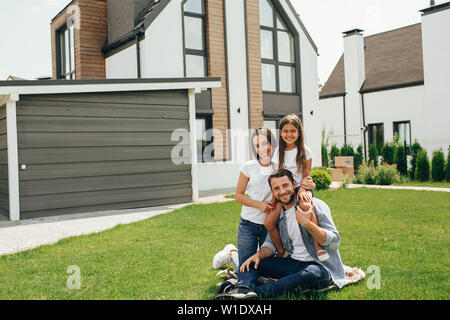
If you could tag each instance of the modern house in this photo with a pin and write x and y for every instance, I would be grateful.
(260, 49)
(395, 81)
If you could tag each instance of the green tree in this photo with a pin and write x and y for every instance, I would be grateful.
(334, 152)
(400, 159)
(414, 149)
(373, 155)
(447, 170)
(438, 166)
(388, 153)
(358, 158)
(422, 166)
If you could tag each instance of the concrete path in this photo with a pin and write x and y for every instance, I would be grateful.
(398, 187)
(22, 235)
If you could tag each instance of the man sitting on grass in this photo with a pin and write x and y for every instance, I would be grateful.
(301, 270)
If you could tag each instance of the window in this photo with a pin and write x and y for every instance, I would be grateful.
(277, 51)
(194, 38)
(403, 129)
(65, 43)
(203, 124)
(376, 135)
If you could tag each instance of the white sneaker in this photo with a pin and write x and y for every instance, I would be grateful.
(223, 257)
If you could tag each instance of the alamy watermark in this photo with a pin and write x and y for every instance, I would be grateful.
(74, 280)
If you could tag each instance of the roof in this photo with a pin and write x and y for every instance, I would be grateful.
(141, 22)
(392, 59)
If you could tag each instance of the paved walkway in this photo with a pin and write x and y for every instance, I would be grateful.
(26, 234)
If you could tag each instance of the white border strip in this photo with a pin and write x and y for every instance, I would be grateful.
(193, 144)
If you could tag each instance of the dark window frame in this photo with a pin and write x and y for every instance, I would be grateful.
(186, 51)
(208, 125)
(394, 127)
(275, 61)
(370, 137)
(61, 73)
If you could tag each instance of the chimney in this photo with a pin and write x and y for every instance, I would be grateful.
(354, 70)
(354, 65)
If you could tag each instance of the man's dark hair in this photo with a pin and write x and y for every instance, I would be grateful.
(280, 173)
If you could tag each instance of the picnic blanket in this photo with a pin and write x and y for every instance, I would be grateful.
(352, 275)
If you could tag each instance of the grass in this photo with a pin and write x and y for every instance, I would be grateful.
(433, 184)
(404, 233)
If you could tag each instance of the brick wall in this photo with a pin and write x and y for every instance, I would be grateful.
(215, 35)
(89, 38)
(254, 64)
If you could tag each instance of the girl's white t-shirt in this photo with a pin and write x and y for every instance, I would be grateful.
(291, 164)
(257, 189)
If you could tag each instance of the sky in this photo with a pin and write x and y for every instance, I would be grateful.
(25, 48)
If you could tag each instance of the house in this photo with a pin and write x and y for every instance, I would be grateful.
(392, 82)
(260, 49)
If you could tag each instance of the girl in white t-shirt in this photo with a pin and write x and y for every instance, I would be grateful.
(295, 156)
(254, 193)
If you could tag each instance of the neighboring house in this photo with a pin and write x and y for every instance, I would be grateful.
(260, 49)
(395, 81)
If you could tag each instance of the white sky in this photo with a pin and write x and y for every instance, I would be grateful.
(25, 49)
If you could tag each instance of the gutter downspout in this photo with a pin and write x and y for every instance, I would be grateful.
(138, 54)
(364, 128)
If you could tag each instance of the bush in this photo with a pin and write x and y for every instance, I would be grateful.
(386, 175)
(438, 166)
(366, 174)
(324, 153)
(347, 150)
(321, 178)
(334, 152)
(414, 149)
(422, 166)
(373, 155)
(447, 170)
(400, 160)
(388, 153)
(359, 157)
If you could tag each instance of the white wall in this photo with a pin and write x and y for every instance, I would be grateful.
(122, 64)
(237, 74)
(217, 175)
(162, 49)
(436, 63)
(309, 87)
(331, 117)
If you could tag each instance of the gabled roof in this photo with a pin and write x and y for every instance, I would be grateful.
(392, 59)
(141, 22)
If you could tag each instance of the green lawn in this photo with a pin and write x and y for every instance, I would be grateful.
(404, 233)
(433, 184)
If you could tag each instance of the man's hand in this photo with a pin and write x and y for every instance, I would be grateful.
(253, 259)
(305, 196)
(303, 217)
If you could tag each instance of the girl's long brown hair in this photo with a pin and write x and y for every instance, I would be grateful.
(301, 153)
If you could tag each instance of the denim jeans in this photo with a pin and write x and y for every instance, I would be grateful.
(250, 237)
(292, 275)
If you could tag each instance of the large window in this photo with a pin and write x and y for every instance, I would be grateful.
(376, 135)
(195, 38)
(66, 52)
(403, 129)
(277, 51)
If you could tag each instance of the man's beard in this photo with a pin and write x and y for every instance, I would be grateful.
(290, 200)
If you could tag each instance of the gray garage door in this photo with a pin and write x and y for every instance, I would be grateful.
(100, 151)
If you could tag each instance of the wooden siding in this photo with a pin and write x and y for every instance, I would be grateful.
(92, 152)
(4, 191)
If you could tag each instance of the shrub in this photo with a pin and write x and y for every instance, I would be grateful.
(386, 175)
(422, 166)
(447, 170)
(438, 166)
(334, 152)
(400, 159)
(324, 153)
(347, 150)
(373, 155)
(359, 157)
(321, 178)
(414, 149)
(366, 174)
(388, 152)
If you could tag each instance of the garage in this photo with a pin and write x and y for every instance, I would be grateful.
(91, 145)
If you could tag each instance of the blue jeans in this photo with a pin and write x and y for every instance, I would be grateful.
(292, 275)
(250, 236)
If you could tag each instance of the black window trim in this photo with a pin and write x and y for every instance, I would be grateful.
(60, 53)
(410, 136)
(275, 61)
(369, 132)
(196, 52)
